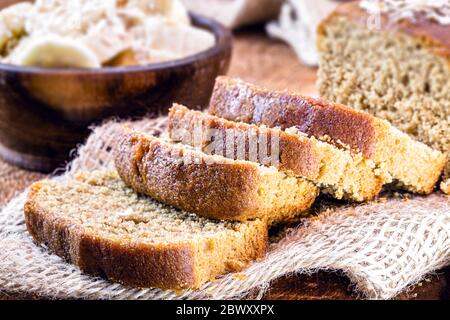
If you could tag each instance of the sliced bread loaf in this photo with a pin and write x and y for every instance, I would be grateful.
(413, 165)
(99, 224)
(211, 186)
(336, 171)
(398, 71)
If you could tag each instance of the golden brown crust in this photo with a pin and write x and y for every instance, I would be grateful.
(240, 101)
(218, 191)
(416, 166)
(428, 32)
(132, 264)
(212, 187)
(295, 154)
(327, 166)
(166, 266)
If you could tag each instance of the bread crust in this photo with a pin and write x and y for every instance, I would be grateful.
(296, 154)
(213, 188)
(131, 264)
(416, 166)
(166, 266)
(430, 33)
(240, 101)
(431, 41)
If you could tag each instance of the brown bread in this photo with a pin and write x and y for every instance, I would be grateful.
(99, 224)
(399, 71)
(413, 165)
(210, 186)
(337, 171)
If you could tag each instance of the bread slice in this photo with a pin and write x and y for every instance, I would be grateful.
(413, 165)
(99, 224)
(400, 71)
(335, 170)
(211, 186)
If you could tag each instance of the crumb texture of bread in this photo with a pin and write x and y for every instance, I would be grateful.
(391, 73)
(99, 224)
(209, 185)
(413, 165)
(337, 171)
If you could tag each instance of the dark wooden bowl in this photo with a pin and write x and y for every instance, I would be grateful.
(45, 113)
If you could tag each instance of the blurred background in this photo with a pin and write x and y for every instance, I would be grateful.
(274, 39)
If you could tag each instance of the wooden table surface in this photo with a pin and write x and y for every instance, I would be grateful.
(270, 63)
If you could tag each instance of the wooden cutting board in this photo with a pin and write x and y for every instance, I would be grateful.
(270, 63)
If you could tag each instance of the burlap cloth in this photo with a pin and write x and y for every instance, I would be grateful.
(383, 247)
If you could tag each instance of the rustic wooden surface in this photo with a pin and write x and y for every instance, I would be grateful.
(272, 64)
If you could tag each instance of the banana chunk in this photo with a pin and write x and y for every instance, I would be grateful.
(12, 22)
(178, 13)
(173, 10)
(158, 39)
(107, 39)
(15, 16)
(54, 51)
(92, 33)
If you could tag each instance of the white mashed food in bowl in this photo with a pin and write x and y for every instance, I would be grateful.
(96, 33)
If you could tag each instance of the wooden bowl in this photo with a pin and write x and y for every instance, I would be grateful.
(45, 113)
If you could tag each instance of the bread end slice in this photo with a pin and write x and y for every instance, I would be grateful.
(106, 229)
(415, 98)
(211, 186)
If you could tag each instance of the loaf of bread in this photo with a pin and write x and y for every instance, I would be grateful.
(210, 186)
(99, 224)
(398, 70)
(336, 171)
(413, 165)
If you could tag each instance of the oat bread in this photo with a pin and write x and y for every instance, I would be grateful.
(99, 224)
(337, 171)
(398, 71)
(413, 165)
(210, 186)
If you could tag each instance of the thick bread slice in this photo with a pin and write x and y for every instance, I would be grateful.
(400, 72)
(335, 170)
(211, 186)
(99, 224)
(413, 165)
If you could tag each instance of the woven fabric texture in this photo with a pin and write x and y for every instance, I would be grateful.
(384, 247)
